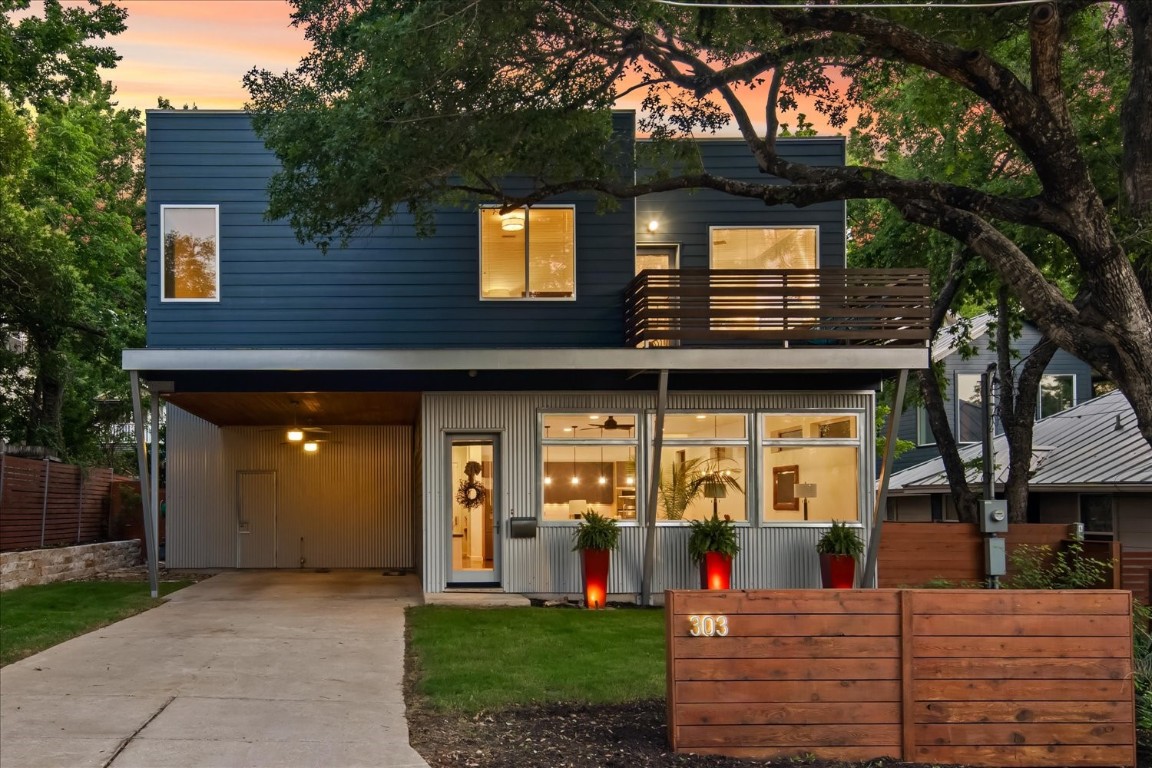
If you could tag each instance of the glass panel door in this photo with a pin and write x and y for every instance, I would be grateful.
(474, 519)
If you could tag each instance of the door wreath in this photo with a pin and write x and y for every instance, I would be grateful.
(471, 492)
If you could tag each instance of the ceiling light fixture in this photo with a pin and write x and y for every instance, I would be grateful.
(311, 447)
(295, 435)
(512, 221)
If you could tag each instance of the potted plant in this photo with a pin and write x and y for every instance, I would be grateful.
(839, 547)
(713, 544)
(596, 537)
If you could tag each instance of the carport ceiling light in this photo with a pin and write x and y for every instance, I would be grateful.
(311, 447)
(295, 435)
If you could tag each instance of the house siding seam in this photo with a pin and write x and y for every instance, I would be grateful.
(778, 555)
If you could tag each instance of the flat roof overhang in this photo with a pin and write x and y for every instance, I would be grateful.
(821, 359)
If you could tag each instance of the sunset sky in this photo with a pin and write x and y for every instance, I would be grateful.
(197, 51)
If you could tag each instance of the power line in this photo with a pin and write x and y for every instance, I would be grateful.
(813, 5)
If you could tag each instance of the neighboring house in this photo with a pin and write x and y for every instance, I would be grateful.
(468, 396)
(1090, 465)
(1067, 381)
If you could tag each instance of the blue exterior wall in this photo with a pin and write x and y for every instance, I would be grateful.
(685, 216)
(391, 289)
(1061, 362)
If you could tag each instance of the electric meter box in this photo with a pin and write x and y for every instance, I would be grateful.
(995, 517)
(994, 557)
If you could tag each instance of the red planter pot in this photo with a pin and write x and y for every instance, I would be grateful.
(716, 571)
(596, 577)
(838, 571)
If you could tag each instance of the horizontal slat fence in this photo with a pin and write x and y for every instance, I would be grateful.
(960, 676)
(716, 306)
(913, 554)
(49, 504)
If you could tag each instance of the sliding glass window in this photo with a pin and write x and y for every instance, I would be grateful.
(588, 463)
(703, 468)
(528, 253)
(811, 467)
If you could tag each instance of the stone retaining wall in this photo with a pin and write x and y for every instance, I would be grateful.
(44, 566)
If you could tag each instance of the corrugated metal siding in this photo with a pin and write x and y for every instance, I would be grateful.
(773, 556)
(348, 506)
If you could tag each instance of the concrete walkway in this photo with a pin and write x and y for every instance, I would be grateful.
(245, 670)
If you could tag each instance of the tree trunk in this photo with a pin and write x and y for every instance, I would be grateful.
(967, 502)
(45, 427)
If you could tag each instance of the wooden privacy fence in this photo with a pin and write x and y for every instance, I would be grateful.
(984, 678)
(912, 554)
(48, 504)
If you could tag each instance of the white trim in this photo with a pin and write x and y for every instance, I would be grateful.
(574, 359)
(527, 254)
(216, 298)
(711, 228)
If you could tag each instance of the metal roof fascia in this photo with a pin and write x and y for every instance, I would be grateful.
(680, 359)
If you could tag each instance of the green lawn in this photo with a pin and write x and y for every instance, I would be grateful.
(35, 618)
(472, 659)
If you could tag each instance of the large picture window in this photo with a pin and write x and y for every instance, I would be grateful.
(190, 253)
(764, 247)
(589, 463)
(528, 253)
(704, 467)
(811, 467)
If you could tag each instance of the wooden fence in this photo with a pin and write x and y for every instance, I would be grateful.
(959, 676)
(913, 554)
(48, 504)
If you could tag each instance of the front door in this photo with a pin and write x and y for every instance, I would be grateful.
(475, 513)
(256, 519)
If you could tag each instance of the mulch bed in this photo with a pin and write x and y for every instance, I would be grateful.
(630, 735)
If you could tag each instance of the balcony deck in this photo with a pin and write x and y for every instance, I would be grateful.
(777, 307)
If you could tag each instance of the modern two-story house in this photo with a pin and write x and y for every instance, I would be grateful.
(454, 404)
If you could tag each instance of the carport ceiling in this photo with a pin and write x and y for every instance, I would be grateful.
(263, 409)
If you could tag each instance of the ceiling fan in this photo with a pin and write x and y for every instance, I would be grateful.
(296, 433)
(610, 424)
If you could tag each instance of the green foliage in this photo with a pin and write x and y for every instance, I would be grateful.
(712, 534)
(596, 532)
(688, 479)
(1039, 567)
(468, 659)
(840, 540)
(38, 617)
(1142, 664)
(71, 224)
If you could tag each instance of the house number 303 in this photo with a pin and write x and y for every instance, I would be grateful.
(708, 626)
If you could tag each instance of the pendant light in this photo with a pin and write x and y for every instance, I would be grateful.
(547, 477)
(295, 434)
(575, 477)
(603, 479)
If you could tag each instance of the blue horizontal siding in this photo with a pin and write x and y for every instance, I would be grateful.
(390, 288)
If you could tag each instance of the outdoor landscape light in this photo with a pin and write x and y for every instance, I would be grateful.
(513, 221)
(311, 447)
(295, 435)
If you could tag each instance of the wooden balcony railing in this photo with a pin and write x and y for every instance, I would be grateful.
(706, 307)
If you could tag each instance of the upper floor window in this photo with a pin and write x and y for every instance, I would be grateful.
(1057, 393)
(765, 247)
(924, 434)
(528, 253)
(190, 252)
(654, 256)
(969, 408)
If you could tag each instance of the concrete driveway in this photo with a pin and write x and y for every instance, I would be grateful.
(246, 669)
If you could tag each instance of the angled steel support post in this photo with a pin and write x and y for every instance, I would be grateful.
(653, 493)
(880, 510)
(154, 491)
(145, 483)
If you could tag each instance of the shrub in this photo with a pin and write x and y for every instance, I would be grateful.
(1039, 567)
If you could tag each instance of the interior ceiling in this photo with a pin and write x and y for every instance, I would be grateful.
(312, 409)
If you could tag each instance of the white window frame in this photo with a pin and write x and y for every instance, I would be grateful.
(527, 254)
(711, 238)
(923, 428)
(764, 443)
(633, 442)
(746, 442)
(163, 272)
(1056, 376)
